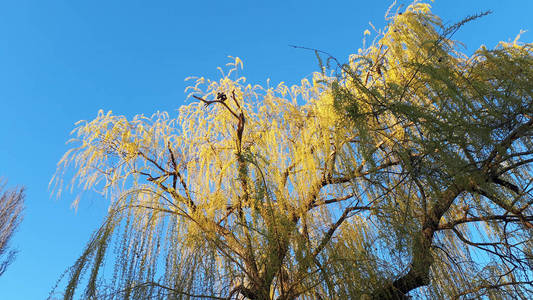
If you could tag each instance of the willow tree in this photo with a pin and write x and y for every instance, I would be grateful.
(406, 173)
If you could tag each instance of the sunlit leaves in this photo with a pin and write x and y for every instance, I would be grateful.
(411, 155)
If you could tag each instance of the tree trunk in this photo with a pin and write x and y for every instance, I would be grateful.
(422, 259)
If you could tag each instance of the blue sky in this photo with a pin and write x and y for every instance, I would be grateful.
(62, 61)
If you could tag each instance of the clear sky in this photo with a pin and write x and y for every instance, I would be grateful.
(61, 61)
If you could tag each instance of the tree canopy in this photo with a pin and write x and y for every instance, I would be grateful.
(405, 171)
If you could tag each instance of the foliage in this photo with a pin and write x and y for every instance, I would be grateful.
(408, 171)
(11, 206)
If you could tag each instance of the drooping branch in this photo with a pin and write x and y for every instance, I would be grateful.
(495, 286)
(329, 234)
(464, 220)
(507, 207)
(499, 150)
